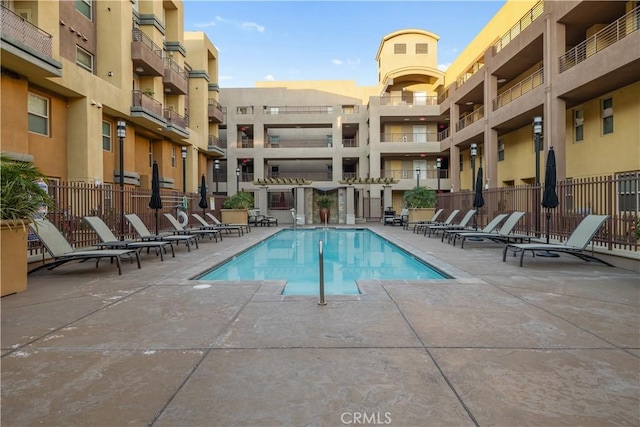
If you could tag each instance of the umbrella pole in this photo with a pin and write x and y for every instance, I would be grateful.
(156, 222)
(547, 253)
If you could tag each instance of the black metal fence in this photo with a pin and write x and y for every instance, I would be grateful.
(614, 196)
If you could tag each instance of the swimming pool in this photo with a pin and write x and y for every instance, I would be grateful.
(349, 255)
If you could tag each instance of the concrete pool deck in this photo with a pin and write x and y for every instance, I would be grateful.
(556, 342)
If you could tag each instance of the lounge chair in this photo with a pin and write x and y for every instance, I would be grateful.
(434, 228)
(504, 235)
(180, 230)
(145, 235)
(433, 219)
(400, 219)
(487, 229)
(244, 227)
(447, 221)
(575, 244)
(110, 241)
(206, 226)
(62, 252)
(260, 219)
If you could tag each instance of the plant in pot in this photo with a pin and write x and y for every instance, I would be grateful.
(324, 203)
(21, 201)
(421, 202)
(234, 208)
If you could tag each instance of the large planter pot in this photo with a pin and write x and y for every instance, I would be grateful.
(324, 215)
(421, 214)
(13, 257)
(235, 216)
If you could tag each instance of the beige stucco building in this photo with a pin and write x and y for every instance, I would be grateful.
(80, 69)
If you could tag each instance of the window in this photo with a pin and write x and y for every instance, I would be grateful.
(399, 48)
(422, 48)
(107, 132)
(84, 7)
(274, 139)
(84, 59)
(108, 196)
(607, 116)
(173, 157)
(628, 191)
(461, 163)
(38, 114)
(578, 125)
(500, 150)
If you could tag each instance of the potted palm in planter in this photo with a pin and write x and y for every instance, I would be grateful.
(324, 203)
(21, 200)
(421, 202)
(234, 209)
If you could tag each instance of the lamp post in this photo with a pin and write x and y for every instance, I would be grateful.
(184, 169)
(537, 133)
(418, 177)
(438, 166)
(237, 180)
(474, 153)
(216, 169)
(122, 131)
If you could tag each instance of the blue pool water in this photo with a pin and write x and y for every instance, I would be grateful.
(349, 255)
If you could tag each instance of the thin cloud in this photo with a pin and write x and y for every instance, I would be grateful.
(251, 26)
(353, 61)
(443, 67)
(336, 62)
(204, 24)
(225, 78)
(269, 77)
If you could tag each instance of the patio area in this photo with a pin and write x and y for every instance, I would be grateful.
(556, 342)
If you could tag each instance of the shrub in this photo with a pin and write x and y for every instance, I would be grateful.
(419, 197)
(240, 200)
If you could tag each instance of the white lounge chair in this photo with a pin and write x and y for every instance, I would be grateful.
(487, 229)
(207, 226)
(245, 227)
(180, 230)
(434, 228)
(417, 224)
(504, 235)
(575, 244)
(62, 252)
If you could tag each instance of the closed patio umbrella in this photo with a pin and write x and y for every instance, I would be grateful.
(156, 200)
(478, 200)
(203, 195)
(550, 197)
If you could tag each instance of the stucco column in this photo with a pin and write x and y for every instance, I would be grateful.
(490, 160)
(350, 211)
(84, 153)
(387, 196)
(555, 116)
(262, 200)
(299, 203)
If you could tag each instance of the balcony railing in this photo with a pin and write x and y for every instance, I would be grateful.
(443, 134)
(411, 174)
(274, 110)
(470, 72)
(312, 176)
(245, 143)
(216, 142)
(604, 38)
(175, 77)
(408, 100)
(215, 111)
(349, 142)
(244, 110)
(523, 23)
(141, 99)
(19, 29)
(519, 89)
(175, 119)
(409, 137)
(146, 55)
(469, 118)
(443, 96)
(303, 142)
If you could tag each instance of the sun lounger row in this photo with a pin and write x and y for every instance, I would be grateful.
(111, 247)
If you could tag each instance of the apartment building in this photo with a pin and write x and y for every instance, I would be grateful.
(573, 64)
(73, 71)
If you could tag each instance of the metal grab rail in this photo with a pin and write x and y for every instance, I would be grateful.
(321, 263)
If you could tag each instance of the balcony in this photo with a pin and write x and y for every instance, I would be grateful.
(519, 89)
(409, 99)
(26, 47)
(275, 110)
(603, 39)
(176, 122)
(146, 55)
(408, 138)
(470, 118)
(467, 74)
(245, 143)
(214, 112)
(298, 142)
(175, 79)
(146, 107)
(216, 145)
(523, 23)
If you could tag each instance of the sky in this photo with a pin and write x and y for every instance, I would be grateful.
(325, 40)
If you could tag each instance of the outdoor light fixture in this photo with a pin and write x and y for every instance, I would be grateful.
(121, 133)
(237, 180)
(418, 177)
(438, 166)
(184, 169)
(216, 169)
(474, 153)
